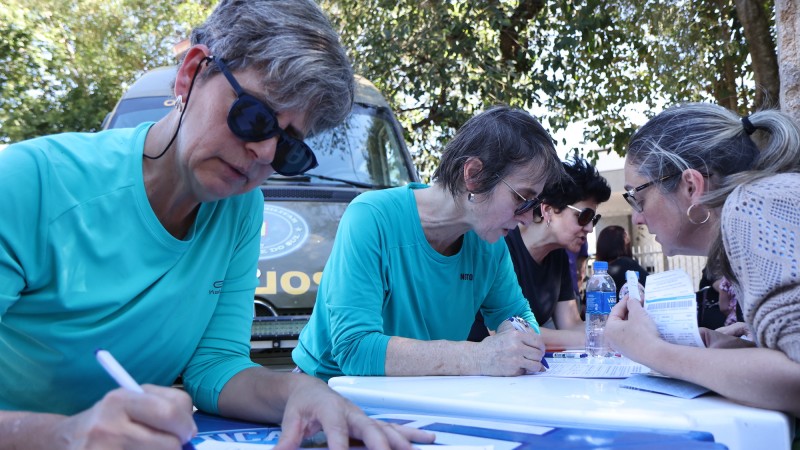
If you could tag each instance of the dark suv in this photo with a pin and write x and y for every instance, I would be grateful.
(301, 213)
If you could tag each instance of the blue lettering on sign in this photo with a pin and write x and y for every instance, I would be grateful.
(282, 232)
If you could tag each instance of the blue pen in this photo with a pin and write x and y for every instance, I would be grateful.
(521, 324)
(124, 379)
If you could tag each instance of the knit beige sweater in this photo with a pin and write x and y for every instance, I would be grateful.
(761, 234)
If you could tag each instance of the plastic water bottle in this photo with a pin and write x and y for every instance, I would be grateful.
(601, 296)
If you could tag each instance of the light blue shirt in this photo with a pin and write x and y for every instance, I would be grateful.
(86, 264)
(384, 279)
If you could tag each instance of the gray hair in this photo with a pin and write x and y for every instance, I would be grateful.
(714, 141)
(503, 139)
(292, 43)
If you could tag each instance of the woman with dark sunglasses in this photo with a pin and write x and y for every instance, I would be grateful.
(565, 217)
(411, 266)
(145, 242)
(708, 182)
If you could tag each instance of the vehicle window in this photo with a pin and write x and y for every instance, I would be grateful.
(133, 111)
(364, 148)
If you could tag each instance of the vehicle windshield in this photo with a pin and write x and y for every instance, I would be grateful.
(366, 148)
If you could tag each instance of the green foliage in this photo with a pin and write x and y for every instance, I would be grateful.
(572, 61)
(67, 63)
(589, 62)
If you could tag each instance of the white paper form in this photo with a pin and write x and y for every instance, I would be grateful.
(601, 367)
(669, 299)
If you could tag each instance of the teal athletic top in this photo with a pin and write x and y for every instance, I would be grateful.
(384, 279)
(86, 264)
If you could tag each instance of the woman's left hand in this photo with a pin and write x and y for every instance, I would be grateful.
(312, 407)
(719, 339)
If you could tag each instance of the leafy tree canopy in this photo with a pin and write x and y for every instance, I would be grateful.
(438, 61)
(587, 61)
(65, 64)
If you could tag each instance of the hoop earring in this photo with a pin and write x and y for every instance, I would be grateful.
(179, 103)
(689, 215)
(471, 197)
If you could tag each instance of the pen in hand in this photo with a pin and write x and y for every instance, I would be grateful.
(521, 324)
(123, 378)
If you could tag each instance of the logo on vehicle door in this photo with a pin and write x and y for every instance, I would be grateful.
(282, 232)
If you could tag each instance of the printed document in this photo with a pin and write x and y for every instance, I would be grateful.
(599, 367)
(669, 299)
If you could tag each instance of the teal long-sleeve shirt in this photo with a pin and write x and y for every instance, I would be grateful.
(85, 263)
(384, 279)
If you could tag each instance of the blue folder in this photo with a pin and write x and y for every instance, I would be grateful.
(479, 432)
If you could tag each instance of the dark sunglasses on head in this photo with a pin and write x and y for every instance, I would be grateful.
(586, 215)
(252, 120)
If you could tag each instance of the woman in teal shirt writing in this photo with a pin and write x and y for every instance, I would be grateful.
(145, 241)
(411, 266)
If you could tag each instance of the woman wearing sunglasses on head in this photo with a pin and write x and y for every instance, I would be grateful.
(145, 242)
(411, 266)
(708, 182)
(566, 215)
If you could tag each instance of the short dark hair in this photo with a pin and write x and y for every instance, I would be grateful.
(611, 244)
(504, 139)
(582, 182)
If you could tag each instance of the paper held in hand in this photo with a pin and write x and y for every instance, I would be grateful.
(670, 302)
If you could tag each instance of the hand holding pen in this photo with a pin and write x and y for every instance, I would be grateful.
(521, 324)
(153, 417)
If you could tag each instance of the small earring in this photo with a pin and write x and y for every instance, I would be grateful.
(471, 197)
(548, 223)
(179, 103)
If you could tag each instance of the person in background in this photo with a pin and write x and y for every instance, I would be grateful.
(538, 250)
(145, 242)
(717, 308)
(577, 266)
(411, 266)
(614, 246)
(708, 182)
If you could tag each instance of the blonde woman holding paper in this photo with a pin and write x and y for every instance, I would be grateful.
(708, 182)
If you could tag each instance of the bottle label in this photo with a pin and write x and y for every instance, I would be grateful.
(600, 302)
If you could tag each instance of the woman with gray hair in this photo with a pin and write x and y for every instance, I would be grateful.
(145, 242)
(707, 182)
(411, 266)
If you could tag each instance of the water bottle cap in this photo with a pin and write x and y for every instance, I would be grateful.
(600, 265)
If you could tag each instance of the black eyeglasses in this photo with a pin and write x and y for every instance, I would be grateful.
(586, 215)
(526, 205)
(252, 121)
(630, 195)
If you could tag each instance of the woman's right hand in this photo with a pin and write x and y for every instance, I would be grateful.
(628, 327)
(625, 290)
(161, 418)
(510, 352)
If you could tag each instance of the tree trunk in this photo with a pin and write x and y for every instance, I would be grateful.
(725, 86)
(764, 61)
(787, 20)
